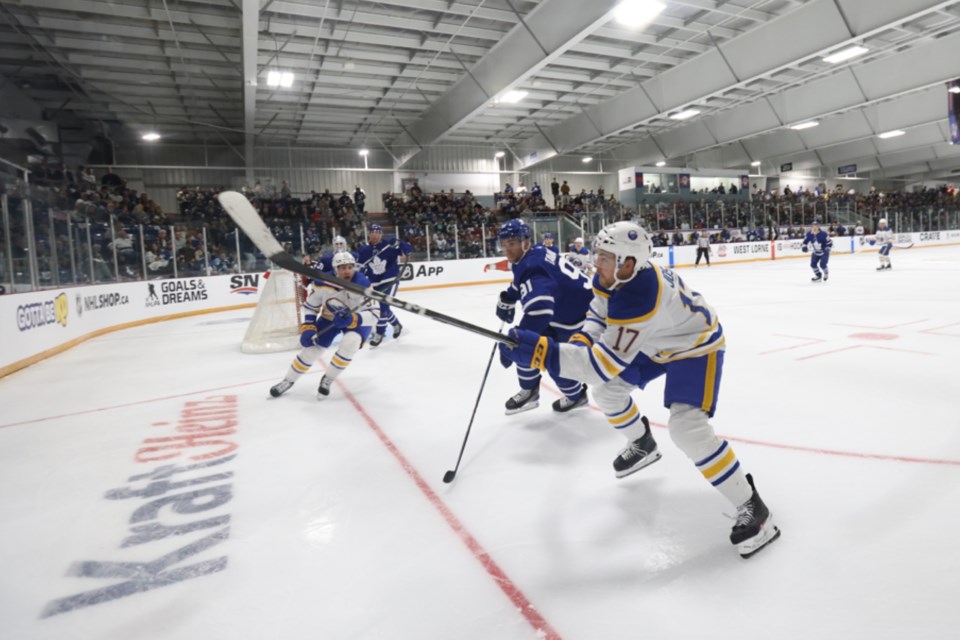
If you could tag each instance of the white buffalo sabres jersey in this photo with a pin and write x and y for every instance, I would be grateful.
(653, 314)
(884, 236)
(325, 298)
(580, 261)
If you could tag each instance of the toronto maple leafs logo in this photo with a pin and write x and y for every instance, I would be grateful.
(378, 266)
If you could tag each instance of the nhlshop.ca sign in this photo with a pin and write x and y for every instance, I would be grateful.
(169, 292)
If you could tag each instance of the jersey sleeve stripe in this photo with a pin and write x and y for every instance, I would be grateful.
(611, 368)
(539, 312)
(537, 299)
(617, 359)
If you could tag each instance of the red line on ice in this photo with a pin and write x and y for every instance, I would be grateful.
(796, 447)
(540, 625)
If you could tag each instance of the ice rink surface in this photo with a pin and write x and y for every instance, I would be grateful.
(307, 519)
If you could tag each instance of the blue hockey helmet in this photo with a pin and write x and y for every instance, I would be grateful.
(514, 229)
(548, 236)
(815, 223)
(376, 227)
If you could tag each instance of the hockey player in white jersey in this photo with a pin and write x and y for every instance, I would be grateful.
(884, 238)
(579, 256)
(643, 323)
(330, 311)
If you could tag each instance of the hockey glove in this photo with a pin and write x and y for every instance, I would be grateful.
(532, 351)
(506, 308)
(308, 334)
(804, 248)
(345, 319)
(505, 359)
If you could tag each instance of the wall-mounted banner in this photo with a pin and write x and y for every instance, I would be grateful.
(744, 183)
(786, 167)
(846, 169)
(683, 181)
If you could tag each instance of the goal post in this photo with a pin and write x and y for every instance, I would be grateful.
(275, 325)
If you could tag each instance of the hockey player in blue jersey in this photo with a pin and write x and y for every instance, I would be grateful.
(820, 244)
(381, 259)
(548, 243)
(554, 296)
(328, 312)
(643, 323)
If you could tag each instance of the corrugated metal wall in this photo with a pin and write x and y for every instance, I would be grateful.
(457, 159)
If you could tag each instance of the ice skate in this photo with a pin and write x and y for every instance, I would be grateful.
(817, 277)
(376, 339)
(754, 528)
(397, 330)
(280, 388)
(324, 389)
(524, 400)
(565, 404)
(640, 453)
(826, 276)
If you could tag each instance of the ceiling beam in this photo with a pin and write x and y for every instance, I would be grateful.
(542, 36)
(250, 37)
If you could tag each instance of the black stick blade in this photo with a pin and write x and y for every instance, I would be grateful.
(449, 476)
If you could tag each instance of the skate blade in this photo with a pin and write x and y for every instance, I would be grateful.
(768, 533)
(649, 460)
(527, 407)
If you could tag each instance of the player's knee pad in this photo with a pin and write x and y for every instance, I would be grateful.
(612, 396)
(690, 430)
(310, 354)
(350, 344)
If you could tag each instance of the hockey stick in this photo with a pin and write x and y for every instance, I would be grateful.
(903, 246)
(451, 474)
(247, 218)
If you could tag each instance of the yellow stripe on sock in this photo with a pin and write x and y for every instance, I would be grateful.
(714, 469)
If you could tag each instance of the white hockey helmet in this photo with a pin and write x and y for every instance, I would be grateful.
(342, 258)
(340, 243)
(882, 222)
(625, 240)
(578, 240)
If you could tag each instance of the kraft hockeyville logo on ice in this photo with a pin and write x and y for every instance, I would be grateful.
(245, 284)
(175, 292)
(43, 314)
(102, 301)
(179, 501)
(409, 271)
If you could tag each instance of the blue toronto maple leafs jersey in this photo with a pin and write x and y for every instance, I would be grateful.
(380, 261)
(818, 242)
(552, 292)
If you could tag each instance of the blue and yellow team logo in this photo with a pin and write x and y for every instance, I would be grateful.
(61, 308)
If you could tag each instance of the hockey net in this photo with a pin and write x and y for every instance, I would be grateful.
(276, 320)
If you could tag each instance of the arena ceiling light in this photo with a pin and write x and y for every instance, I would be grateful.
(805, 125)
(364, 152)
(151, 136)
(685, 115)
(499, 154)
(512, 97)
(280, 79)
(891, 134)
(755, 163)
(661, 164)
(954, 89)
(845, 54)
(586, 160)
(637, 13)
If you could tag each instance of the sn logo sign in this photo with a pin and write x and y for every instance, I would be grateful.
(409, 271)
(244, 284)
